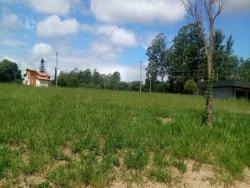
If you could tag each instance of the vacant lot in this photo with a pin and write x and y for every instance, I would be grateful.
(77, 137)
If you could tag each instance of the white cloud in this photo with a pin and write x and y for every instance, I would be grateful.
(118, 36)
(112, 34)
(12, 43)
(53, 26)
(60, 7)
(9, 21)
(42, 50)
(104, 52)
(138, 11)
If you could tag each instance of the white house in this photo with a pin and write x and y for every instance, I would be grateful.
(36, 78)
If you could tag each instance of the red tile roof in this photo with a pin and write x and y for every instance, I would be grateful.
(40, 75)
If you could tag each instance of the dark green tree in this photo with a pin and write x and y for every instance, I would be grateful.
(85, 77)
(9, 71)
(187, 57)
(244, 70)
(62, 79)
(72, 79)
(97, 79)
(225, 63)
(115, 80)
(42, 66)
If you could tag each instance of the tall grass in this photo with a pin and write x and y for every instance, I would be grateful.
(100, 127)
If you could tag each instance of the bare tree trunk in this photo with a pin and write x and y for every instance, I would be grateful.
(209, 100)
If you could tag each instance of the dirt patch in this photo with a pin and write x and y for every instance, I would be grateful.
(118, 184)
(29, 181)
(166, 120)
(202, 177)
(245, 183)
(70, 154)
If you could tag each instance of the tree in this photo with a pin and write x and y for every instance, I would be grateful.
(42, 65)
(62, 79)
(244, 70)
(9, 71)
(115, 80)
(72, 79)
(97, 79)
(85, 77)
(188, 55)
(157, 59)
(224, 63)
(209, 9)
(190, 86)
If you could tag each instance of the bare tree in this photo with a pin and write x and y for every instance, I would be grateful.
(202, 12)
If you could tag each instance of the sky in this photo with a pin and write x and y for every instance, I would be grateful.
(107, 35)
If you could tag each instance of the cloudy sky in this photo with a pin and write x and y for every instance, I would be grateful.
(109, 35)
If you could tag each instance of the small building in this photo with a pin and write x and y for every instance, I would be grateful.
(231, 89)
(36, 78)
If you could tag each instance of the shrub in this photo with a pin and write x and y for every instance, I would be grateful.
(190, 86)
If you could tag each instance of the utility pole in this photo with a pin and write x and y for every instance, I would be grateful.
(140, 78)
(56, 68)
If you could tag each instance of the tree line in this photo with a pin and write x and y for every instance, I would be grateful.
(178, 66)
(171, 65)
(88, 79)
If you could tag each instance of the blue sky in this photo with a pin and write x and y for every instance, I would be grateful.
(104, 35)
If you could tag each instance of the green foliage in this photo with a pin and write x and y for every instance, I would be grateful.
(157, 54)
(88, 80)
(85, 77)
(9, 71)
(188, 59)
(225, 63)
(190, 86)
(244, 70)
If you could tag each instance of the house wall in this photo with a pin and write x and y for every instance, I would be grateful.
(224, 92)
(244, 91)
(32, 78)
(42, 83)
(231, 92)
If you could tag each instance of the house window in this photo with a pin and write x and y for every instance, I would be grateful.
(240, 94)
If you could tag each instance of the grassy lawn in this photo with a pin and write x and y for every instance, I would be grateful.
(76, 137)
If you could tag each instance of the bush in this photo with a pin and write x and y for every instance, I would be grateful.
(190, 86)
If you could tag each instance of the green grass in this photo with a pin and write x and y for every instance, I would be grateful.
(103, 127)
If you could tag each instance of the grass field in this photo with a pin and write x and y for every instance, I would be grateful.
(73, 137)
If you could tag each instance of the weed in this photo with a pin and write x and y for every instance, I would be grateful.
(180, 165)
(44, 184)
(160, 175)
(136, 159)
